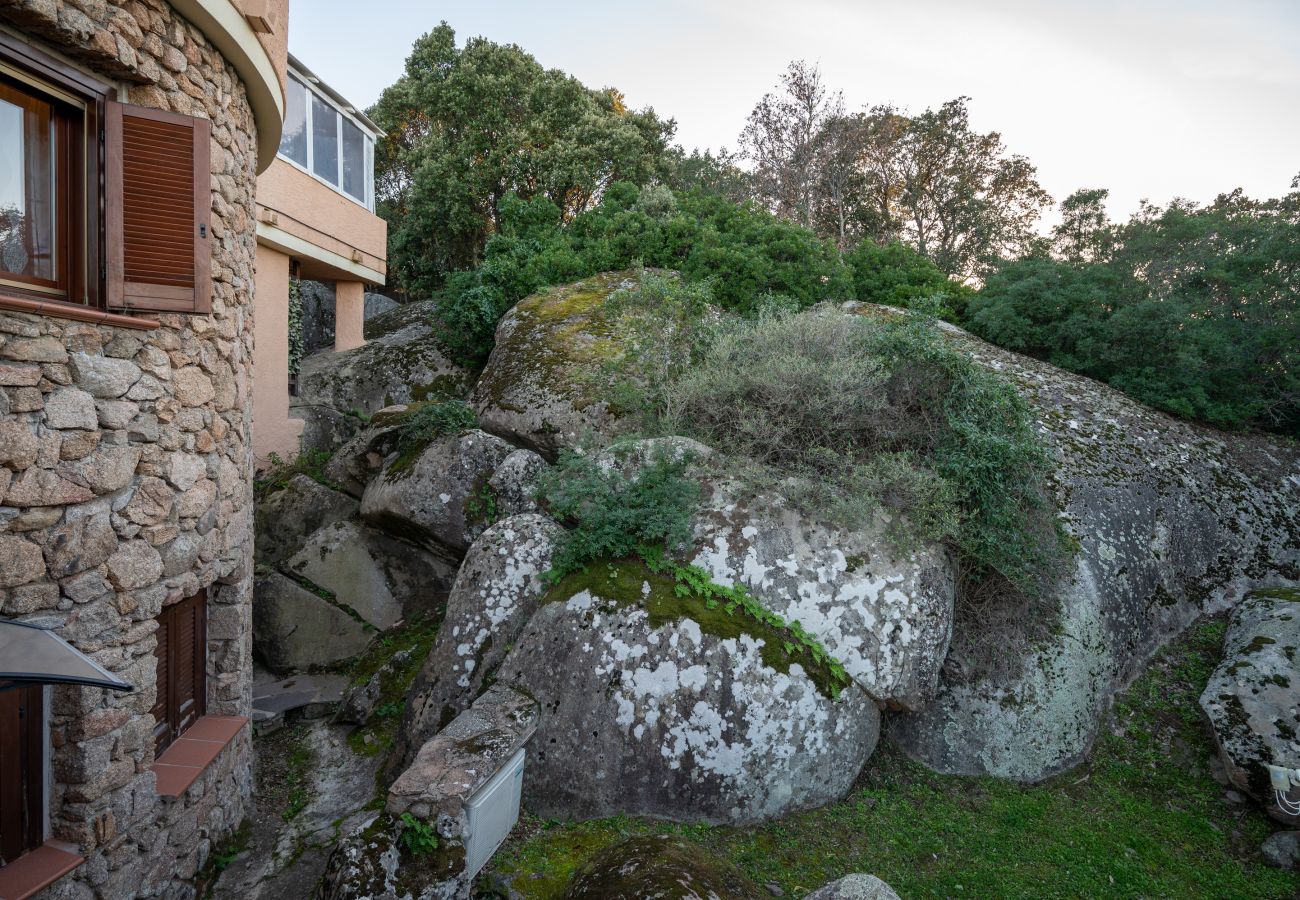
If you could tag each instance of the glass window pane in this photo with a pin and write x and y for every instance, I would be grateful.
(27, 190)
(293, 140)
(354, 161)
(324, 140)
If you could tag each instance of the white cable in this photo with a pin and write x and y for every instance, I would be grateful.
(1288, 806)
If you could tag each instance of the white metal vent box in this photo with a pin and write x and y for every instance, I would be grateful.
(492, 812)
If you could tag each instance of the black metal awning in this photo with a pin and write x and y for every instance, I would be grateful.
(31, 654)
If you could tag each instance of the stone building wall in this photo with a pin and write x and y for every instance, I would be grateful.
(125, 480)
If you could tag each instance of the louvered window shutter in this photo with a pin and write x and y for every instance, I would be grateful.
(162, 729)
(157, 206)
(182, 669)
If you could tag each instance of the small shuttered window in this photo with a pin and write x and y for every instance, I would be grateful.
(22, 769)
(157, 207)
(182, 669)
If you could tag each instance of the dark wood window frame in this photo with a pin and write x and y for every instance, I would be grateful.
(133, 195)
(175, 707)
(80, 237)
(23, 756)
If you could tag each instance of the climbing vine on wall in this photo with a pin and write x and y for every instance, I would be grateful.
(295, 325)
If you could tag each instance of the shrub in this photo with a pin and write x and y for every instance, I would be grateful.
(849, 415)
(429, 421)
(418, 837)
(611, 514)
(279, 472)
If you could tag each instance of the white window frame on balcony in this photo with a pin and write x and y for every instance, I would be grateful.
(369, 136)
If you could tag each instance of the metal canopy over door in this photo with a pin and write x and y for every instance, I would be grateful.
(22, 770)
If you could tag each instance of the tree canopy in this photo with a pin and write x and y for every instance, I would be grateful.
(464, 127)
(1191, 308)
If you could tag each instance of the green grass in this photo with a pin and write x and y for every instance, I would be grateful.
(1142, 818)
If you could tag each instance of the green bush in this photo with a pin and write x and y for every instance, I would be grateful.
(427, 422)
(611, 515)
(852, 415)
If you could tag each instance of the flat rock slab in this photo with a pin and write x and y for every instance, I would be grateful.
(275, 698)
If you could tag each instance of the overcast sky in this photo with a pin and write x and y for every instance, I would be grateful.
(1150, 98)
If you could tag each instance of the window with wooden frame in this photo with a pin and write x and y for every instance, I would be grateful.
(22, 769)
(182, 669)
(104, 206)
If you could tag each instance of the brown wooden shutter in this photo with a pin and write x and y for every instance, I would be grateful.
(182, 669)
(162, 729)
(22, 770)
(157, 205)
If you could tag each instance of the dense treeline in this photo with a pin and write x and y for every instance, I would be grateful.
(499, 177)
(1192, 309)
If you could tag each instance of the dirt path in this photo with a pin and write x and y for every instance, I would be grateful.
(309, 788)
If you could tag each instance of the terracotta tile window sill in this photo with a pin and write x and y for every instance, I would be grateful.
(38, 869)
(183, 762)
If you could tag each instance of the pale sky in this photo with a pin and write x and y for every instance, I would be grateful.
(1150, 98)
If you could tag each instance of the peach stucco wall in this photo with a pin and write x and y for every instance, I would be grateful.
(273, 430)
(276, 42)
(349, 314)
(321, 216)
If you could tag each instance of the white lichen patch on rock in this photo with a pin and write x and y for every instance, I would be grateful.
(675, 722)
(497, 590)
(884, 614)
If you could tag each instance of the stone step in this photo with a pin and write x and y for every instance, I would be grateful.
(277, 700)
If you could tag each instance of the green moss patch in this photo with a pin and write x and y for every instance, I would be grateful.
(685, 592)
(1142, 818)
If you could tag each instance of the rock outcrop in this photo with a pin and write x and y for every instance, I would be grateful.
(1253, 698)
(440, 495)
(858, 886)
(401, 361)
(378, 577)
(659, 716)
(662, 867)
(286, 517)
(884, 614)
(496, 593)
(295, 630)
(1172, 520)
(538, 387)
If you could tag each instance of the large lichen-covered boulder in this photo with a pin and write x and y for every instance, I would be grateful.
(496, 592)
(662, 867)
(381, 579)
(286, 517)
(402, 360)
(653, 706)
(1253, 698)
(1172, 520)
(438, 495)
(295, 630)
(540, 387)
(884, 613)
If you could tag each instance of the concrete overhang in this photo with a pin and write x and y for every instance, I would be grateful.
(319, 264)
(233, 36)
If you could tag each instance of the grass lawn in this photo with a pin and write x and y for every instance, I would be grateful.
(1142, 818)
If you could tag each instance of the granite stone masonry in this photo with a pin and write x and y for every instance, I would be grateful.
(126, 481)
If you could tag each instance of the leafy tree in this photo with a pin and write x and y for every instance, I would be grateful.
(781, 140)
(1190, 308)
(962, 201)
(465, 127)
(1085, 234)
